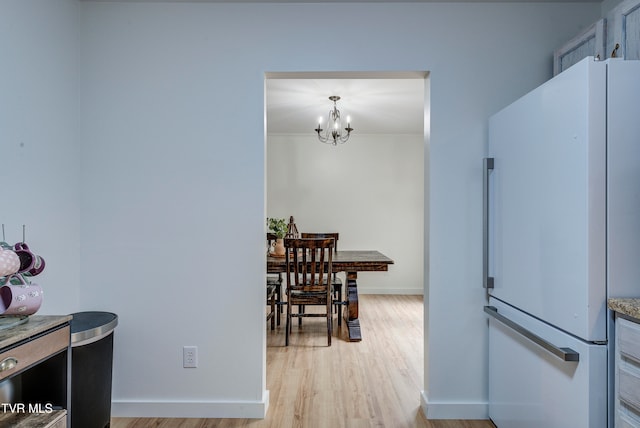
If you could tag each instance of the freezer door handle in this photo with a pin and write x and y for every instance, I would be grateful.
(565, 354)
(487, 166)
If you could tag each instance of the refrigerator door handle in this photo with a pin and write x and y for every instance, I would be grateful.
(565, 354)
(487, 166)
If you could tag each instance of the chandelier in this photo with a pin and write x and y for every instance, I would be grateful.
(334, 134)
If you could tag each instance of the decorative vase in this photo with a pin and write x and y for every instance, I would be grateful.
(278, 250)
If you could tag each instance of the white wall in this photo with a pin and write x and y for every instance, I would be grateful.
(170, 142)
(173, 134)
(39, 147)
(370, 190)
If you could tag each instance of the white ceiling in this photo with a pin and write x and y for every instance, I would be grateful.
(379, 103)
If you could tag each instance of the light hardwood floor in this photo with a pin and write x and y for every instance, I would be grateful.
(373, 383)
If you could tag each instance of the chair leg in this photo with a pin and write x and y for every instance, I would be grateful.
(273, 311)
(337, 303)
(278, 302)
(300, 311)
(329, 323)
(339, 307)
(287, 326)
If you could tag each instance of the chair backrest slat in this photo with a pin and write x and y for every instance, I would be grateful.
(309, 263)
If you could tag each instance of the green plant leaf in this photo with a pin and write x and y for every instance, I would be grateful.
(278, 226)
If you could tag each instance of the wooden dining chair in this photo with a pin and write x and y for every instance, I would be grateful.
(275, 282)
(309, 269)
(336, 282)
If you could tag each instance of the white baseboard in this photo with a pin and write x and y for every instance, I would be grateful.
(410, 291)
(191, 409)
(453, 410)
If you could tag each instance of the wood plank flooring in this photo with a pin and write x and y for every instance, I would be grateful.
(373, 383)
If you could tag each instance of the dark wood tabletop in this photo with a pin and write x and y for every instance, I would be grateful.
(343, 261)
(351, 262)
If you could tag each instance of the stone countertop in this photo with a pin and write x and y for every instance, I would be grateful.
(629, 307)
(35, 324)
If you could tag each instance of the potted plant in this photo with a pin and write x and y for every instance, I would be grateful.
(279, 227)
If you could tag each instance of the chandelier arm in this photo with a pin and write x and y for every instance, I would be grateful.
(328, 137)
(323, 139)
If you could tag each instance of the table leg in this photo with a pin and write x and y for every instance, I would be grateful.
(351, 314)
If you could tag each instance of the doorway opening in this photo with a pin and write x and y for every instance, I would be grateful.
(374, 188)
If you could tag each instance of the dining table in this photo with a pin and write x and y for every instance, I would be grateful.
(351, 262)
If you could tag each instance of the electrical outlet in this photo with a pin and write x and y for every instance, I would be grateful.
(190, 356)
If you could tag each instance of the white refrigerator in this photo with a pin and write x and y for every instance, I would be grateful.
(561, 235)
